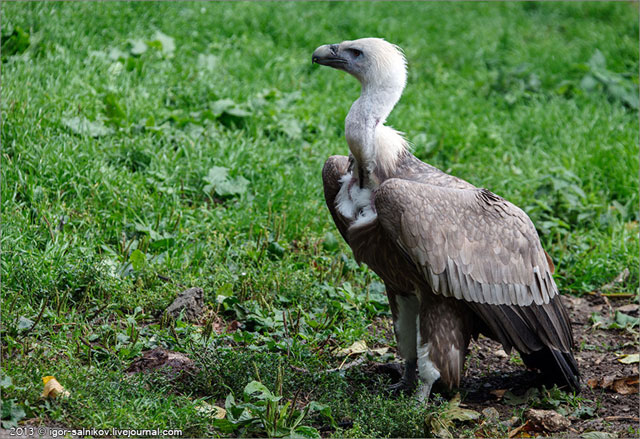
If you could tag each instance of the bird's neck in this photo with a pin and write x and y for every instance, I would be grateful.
(374, 146)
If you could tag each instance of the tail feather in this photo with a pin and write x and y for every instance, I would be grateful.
(560, 366)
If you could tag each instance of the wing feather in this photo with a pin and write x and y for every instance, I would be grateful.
(334, 169)
(470, 236)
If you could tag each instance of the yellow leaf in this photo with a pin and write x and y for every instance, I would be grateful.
(52, 388)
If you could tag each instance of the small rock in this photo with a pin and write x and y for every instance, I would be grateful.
(173, 363)
(500, 353)
(548, 420)
(631, 308)
(190, 303)
(491, 414)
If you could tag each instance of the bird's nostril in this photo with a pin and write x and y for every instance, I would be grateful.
(333, 48)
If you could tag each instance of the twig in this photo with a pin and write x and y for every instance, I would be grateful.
(322, 345)
(24, 334)
(295, 400)
(354, 363)
(49, 227)
(298, 369)
(621, 418)
(171, 281)
(598, 293)
(100, 345)
(95, 314)
(621, 277)
(85, 342)
(286, 331)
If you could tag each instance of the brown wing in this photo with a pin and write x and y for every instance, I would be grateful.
(334, 168)
(479, 248)
(469, 243)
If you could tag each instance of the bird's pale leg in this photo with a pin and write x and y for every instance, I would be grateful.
(429, 374)
(406, 331)
(409, 377)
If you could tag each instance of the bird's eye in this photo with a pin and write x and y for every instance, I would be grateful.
(355, 52)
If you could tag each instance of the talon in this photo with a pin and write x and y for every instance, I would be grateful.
(402, 387)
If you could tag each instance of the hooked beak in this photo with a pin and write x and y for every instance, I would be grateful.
(327, 55)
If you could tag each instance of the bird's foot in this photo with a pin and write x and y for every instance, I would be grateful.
(423, 392)
(402, 386)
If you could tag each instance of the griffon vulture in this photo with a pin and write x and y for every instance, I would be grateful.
(456, 260)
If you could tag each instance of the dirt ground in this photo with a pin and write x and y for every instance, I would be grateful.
(597, 352)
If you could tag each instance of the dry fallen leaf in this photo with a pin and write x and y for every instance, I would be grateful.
(380, 351)
(357, 347)
(498, 393)
(440, 423)
(624, 386)
(631, 225)
(214, 411)
(52, 388)
(629, 359)
(491, 414)
(520, 431)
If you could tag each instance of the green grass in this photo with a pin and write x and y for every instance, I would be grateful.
(496, 95)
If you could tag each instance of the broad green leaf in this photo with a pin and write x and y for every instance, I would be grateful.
(275, 249)
(224, 425)
(24, 323)
(291, 127)
(597, 61)
(113, 109)
(625, 320)
(167, 43)
(116, 54)
(588, 83)
(5, 382)
(222, 105)
(138, 260)
(11, 413)
(256, 389)
(217, 175)
(305, 432)
(15, 43)
(330, 243)
(83, 126)
(237, 112)
(164, 243)
(138, 47)
(229, 401)
(237, 186)
(207, 62)
(511, 399)
(323, 409)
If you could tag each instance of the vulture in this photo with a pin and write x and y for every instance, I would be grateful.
(456, 260)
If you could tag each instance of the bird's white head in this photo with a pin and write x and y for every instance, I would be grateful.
(373, 61)
(381, 68)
